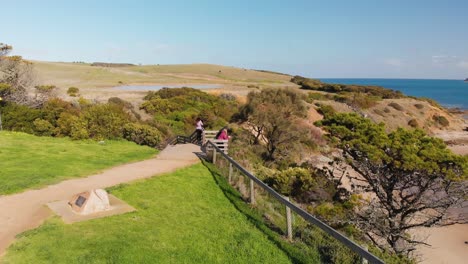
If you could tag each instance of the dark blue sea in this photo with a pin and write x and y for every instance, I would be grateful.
(449, 93)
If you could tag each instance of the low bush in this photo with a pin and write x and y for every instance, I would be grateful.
(413, 123)
(19, 117)
(441, 120)
(396, 106)
(419, 106)
(379, 112)
(312, 84)
(326, 110)
(317, 96)
(73, 91)
(142, 134)
(43, 127)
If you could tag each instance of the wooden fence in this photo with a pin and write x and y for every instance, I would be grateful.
(209, 136)
(365, 255)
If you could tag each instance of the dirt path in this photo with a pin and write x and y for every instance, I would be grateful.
(27, 210)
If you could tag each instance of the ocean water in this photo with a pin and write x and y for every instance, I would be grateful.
(449, 93)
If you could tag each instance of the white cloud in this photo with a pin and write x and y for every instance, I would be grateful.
(394, 62)
(463, 64)
(444, 59)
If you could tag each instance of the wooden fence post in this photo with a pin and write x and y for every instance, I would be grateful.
(288, 221)
(252, 192)
(230, 173)
(214, 155)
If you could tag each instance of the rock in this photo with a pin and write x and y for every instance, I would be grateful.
(90, 202)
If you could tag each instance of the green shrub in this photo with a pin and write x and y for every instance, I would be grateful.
(326, 110)
(396, 106)
(65, 124)
(53, 108)
(79, 129)
(311, 96)
(360, 100)
(419, 106)
(441, 120)
(142, 134)
(43, 127)
(19, 117)
(120, 102)
(284, 181)
(179, 107)
(73, 91)
(413, 123)
(105, 121)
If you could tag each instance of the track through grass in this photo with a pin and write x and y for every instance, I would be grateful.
(29, 161)
(182, 217)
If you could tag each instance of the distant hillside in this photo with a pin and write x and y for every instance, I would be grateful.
(99, 75)
(104, 64)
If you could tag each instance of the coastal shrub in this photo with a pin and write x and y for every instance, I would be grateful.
(104, 121)
(379, 112)
(312, 84)
(396, 106)
(413, 123)
(73, 91)
(326, 110)
(179, 107)
(306, 186)
(419, 106)
(142, 134)
(430, 101)
(311, 96)
(65, 124)
(43, 127)
(54, 107)
(17, 117)
(120, 102)
(360, 100)
(441, 120)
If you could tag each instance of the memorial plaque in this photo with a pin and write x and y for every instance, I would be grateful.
(80, 201)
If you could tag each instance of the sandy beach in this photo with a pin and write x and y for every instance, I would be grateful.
(447, 244)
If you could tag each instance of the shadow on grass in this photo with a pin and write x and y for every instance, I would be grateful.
(297, 252)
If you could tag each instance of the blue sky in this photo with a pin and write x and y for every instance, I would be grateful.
(349, 39)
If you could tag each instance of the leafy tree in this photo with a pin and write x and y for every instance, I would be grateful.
(410, 179)
(274, 116)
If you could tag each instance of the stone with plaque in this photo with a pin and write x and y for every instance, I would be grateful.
(90, 202)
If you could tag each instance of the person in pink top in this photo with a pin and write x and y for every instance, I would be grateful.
(223, 135)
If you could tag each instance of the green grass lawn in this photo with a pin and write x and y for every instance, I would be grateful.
(28, 161)
(182, 217)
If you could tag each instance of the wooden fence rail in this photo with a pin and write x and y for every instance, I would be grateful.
(365, 255)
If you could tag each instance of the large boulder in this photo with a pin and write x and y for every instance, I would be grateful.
(90, 202)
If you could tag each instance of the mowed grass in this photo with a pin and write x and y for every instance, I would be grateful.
(182, 217)
(29, 161)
